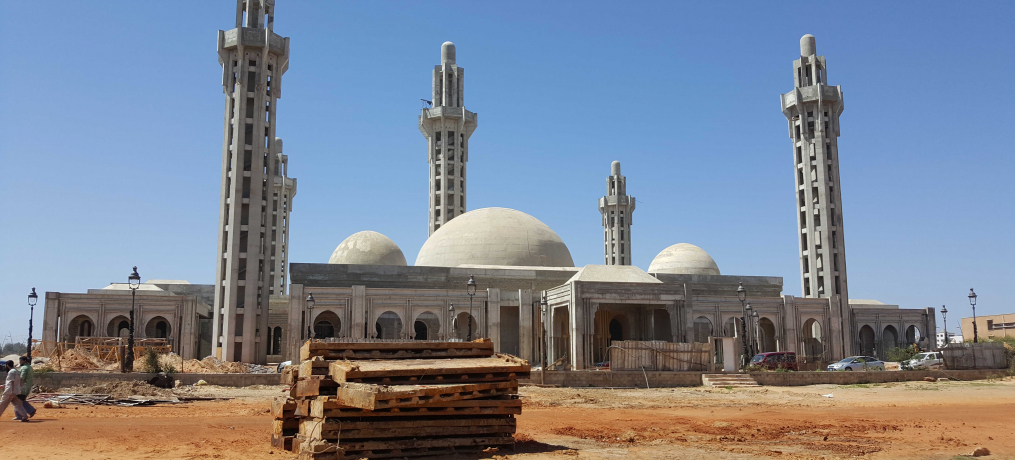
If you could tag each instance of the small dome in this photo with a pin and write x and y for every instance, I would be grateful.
(448, 53)
(494, 236)
(684, 259)
(807, 45)
(615, 168)
(367, 248)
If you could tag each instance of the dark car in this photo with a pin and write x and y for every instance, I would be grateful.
(776, 360)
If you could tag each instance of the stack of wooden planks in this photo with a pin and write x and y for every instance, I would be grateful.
(398, 399)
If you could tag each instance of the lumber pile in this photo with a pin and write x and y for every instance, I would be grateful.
(352, 400)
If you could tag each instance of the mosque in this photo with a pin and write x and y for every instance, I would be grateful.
(494, 273)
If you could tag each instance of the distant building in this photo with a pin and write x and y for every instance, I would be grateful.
(1002, 325)
(952, 338)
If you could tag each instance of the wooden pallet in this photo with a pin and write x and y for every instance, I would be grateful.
(283, 408)
(501, 405)
(283, 442)
(433, 452)
(335, 430)
(395, 350)
(353, 449)
(373, 397)
(464, 370)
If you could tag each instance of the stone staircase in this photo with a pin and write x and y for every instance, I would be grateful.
(728, 380)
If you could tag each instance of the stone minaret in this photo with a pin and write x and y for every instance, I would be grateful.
(616, 208)
(256, 195)
(447, 127)
(813, 109)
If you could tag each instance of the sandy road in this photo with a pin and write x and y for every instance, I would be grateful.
(914, 420)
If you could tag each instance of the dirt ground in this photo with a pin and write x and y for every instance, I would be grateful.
(914, 420)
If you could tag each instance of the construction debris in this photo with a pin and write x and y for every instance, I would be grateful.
(352, 400)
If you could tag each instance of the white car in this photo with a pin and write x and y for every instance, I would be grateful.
(858, 363)
(929, 360)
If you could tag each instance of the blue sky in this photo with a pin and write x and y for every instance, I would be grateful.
(111, 117)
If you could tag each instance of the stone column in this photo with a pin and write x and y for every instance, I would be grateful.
(359, 314)
(525, 322)
(296, 325)
(674, 310)
(51, 317)
(688, 329)
(491, 319)
(791, 325)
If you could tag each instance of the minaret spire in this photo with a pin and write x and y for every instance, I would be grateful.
(812, 110)
(447, 127)
(616, 208)
(256, 194)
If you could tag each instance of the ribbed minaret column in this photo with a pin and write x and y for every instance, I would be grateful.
(256, 196)
(616, 208)
(812, 110)
(447, 127)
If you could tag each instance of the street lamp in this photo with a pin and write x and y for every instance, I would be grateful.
(310, 315)
(944, 316)
(133, 282)
(542, 309)
(454, 322)
(757, 332)
(750, 332)
(33, 299)
(742, 295)
(471, 289)
(972, 301)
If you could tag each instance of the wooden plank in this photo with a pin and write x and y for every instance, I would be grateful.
(285, 427)
(290, 374)
(331, 409)
(282, 408)
(400, 424)
(391, 444)
(314, 386)
(345, 436)
(498, 367)
(431, 452)
(372, 397)
(282, 442)
(394, 350)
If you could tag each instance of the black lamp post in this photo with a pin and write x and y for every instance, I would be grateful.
(310, 315)
(742, 295)
(471, 289)
(133, 282)
(972, 301)
(542, 309)
(944, 316)
(454, 322)
(750, 332)
(757, 332)
(33, 299)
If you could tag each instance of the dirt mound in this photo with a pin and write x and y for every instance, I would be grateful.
(124, 389)
(213, 365)
(75, 359)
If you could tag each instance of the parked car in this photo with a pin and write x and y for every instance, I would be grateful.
(776, 360)
(282, 365)
(858, 363)
(929, 360)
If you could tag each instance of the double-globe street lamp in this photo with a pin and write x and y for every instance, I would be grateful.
(471, 289)
(944, 316)
(310, 315)
(33, 299)
(133, 282)
(542, 309)
(454, 322)
(742, 295)
(972, 302)
(756, 342)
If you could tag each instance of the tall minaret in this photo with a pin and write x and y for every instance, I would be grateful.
(813, 109)
(447, 127)
(256, 195)
(616, 208)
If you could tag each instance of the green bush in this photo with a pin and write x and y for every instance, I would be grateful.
(901, 355)
(153, 365)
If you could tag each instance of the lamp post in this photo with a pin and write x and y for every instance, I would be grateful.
(471, 289)
(742, 295)
(454, 323)
(972, 301)
(542, 309)
(944, 316)
(33, 299)
(757, 332)
(133, 282)
(310, 315)
(750, 332)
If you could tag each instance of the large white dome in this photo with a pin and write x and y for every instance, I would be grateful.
(367, 248)
(494, 236)
(684, 259)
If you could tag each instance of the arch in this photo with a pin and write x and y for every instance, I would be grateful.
(80, 326)
(866, 340)
(276, 340)
(661, 325)
(766, 335)
(913, 335)
(462, 322)
(702, 329)
(388, 325)
(118, 327)
(158, 328)
(620, 328)
(889, 337)
(327, 325)
(427, 326)
(812, 346)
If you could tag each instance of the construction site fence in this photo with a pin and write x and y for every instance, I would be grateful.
(105, 353)
(660, 356)
(988, 355)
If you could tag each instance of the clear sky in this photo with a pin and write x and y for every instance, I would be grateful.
(111, 115)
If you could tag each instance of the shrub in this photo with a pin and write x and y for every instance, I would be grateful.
(901, 355)
(152, 364)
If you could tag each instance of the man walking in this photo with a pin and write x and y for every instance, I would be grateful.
(27, 377)
(12, 387)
